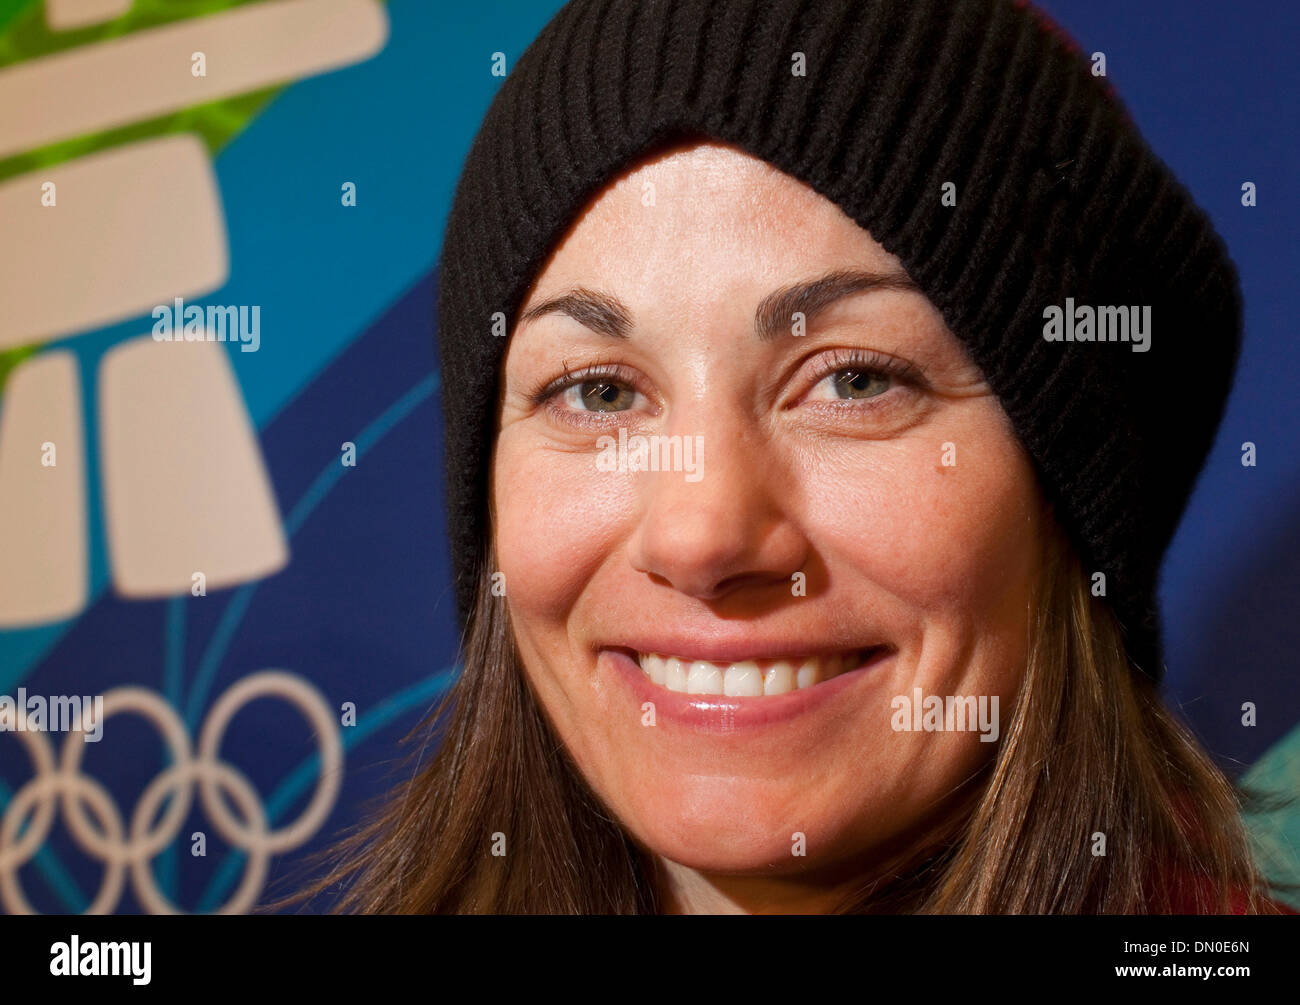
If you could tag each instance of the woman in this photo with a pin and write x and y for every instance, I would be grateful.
(823, 383)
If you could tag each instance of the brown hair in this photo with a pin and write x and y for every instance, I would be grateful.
(1090, 750)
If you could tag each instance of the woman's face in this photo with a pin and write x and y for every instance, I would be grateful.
(845, 517)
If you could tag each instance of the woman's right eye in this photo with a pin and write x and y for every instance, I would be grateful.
(598, 396)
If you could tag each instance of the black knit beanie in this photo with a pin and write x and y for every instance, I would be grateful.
(1057, 196)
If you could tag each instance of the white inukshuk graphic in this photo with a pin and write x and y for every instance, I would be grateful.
(170, 507)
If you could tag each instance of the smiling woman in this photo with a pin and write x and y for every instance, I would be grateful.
(894, 647)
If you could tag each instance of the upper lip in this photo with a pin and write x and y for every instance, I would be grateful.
(738, 650)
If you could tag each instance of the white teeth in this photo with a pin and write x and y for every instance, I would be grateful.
(743, 679)
(810, 673)
(704, 678)
(747, 678)
(779, 678)
(675, 674)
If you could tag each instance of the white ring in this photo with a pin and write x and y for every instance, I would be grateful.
(309, 701)
(42, 755)
(143, 882)
(152, 706)
(110, 890)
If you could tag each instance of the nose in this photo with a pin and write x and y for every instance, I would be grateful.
(731, 529)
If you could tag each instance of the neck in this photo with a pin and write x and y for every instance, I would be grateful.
(688, 891)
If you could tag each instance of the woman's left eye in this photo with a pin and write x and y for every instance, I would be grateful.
(854, 383)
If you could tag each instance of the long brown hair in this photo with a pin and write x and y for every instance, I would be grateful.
(500, 820)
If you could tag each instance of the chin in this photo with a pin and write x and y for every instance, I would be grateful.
(732, 829)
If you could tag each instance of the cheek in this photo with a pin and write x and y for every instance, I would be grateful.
(556, 520)
(950, 548)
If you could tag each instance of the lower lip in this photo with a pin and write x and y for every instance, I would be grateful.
(716, 713)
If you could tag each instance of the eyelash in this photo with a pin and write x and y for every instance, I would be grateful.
(597, 371)
(839, 360)
(872, 362)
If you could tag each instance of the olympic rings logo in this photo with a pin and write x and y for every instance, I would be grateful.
(64, 784)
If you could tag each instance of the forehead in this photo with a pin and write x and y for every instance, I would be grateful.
(705, 220)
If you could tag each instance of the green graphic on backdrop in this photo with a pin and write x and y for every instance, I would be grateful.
(27, 37)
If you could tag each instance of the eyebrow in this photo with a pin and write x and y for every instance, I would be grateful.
(607, 315)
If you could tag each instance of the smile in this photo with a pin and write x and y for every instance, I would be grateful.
(748, 678)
